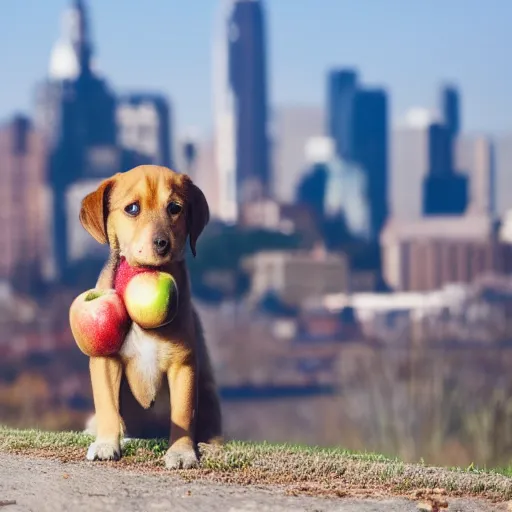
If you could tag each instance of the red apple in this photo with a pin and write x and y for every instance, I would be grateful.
(150, 295)
(99, 322)
(124, 273)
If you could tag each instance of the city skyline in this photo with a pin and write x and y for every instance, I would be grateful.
(467, 51)
(95, 131)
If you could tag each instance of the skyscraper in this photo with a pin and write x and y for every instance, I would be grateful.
(440, 149)
(22, 222)
(450, 109)
(358, 119)
(75, 106)
(370, 151)
(341, 90)
(242, 140)
(445, 191)
(76, 113)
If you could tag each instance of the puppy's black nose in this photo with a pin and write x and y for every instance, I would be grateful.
(161, 246)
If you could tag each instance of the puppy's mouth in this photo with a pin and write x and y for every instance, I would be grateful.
(150, 265)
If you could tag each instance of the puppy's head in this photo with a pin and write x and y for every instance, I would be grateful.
(146, 215)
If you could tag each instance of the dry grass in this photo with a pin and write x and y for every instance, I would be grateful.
(300, 469)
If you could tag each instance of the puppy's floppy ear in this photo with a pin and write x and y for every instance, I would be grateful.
(198, 214)
(94, 211)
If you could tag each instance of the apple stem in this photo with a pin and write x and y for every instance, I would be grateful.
(92, 295)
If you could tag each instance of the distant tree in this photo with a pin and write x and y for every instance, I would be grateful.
(222, 248)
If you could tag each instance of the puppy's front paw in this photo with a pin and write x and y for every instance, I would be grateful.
(180, 458)
(104, 450)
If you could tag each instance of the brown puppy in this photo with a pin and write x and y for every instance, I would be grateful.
(145, 215)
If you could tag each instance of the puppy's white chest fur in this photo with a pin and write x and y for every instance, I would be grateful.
(140, 351)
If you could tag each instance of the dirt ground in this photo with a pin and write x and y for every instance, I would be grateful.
(40, 485)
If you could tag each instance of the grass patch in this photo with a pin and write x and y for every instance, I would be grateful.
(19, 440)
(302, 469)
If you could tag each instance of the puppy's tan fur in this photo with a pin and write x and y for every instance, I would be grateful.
(154, 362)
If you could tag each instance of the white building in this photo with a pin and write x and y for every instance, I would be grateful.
(503, 150)
(293, 126)
(297, 275)
(80, 243)
(475, 156)
(144, 123)
(409, 164)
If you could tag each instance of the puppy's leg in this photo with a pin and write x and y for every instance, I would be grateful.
(106, 380)
(182, 385)
(208, 428)
(209, 419)
(104, 282)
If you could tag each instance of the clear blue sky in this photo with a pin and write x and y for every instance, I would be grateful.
(409, 46)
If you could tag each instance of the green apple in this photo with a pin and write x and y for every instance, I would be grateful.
(151, 298)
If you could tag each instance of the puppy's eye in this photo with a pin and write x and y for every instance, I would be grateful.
(133, 209)
(174, 208)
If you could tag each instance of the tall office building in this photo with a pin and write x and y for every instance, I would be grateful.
(22, 216)
(358, 119)
(440, 149)
(76, 113)
(241, 109)
(370, 151)
(445, 191)
(144, 129)
(75, 107)
(341, 90)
